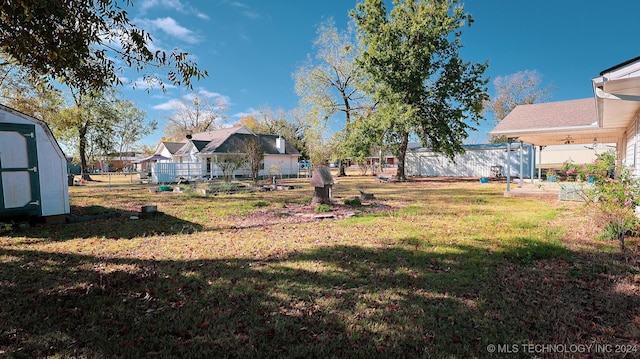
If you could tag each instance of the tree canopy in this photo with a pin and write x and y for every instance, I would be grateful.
(193, 114)
(411, 57)
(331, 84)
(520, 88)
(83, 42)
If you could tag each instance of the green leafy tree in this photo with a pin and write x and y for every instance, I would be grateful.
(411, 58)
(367, 138)
(98, 124)
(83, 43)
(87, 126)
(330, 84)
(130, 127)
(20, 90)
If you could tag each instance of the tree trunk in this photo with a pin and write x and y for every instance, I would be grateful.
(341, 168)
(347, 129)
(82, 149)
(402, 153)
(321, 196)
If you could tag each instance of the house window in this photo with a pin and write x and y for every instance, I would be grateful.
(208, 164)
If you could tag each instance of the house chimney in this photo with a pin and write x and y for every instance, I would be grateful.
(280, 144)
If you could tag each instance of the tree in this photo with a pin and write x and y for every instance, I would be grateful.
(20, 90)
(521, 88)
(255, 154)
(367, 138)
(229, 163)
(194, 114)
(249, 121)
(412, 62)
(87, 127)
(288, 124)
(83, 43)
(130, 127)
(330, 84)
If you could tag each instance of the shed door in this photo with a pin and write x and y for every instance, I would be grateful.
(19, 182)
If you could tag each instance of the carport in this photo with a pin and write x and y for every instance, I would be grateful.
(611, 116)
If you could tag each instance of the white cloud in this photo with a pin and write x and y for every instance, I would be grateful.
(216, 101)
(170, 27)
(175, 5)
(249, 112)
(246, 10)
(172, 104)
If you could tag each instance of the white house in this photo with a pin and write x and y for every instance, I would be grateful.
(33, 169)
(196, 156)
(611, 118)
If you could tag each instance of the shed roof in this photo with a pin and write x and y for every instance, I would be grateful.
(321, 177)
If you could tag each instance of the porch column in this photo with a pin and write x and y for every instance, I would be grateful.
(509, 165)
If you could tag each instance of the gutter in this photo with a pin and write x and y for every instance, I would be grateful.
(548, 129)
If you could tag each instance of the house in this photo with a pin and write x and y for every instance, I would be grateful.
(563, 131)
(116, 161)
(33, 169)
(478, 160)
(610, 118)
(198, 156)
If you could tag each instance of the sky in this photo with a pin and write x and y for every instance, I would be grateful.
(250, 48)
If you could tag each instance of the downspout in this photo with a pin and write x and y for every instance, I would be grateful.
(635, 146)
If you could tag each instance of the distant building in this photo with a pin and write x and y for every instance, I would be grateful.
(196, 156)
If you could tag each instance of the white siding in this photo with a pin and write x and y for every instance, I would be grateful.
(473, 163)
(280, 165)
(631, 148)
(52, 166)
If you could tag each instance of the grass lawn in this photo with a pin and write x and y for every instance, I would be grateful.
(428, 269)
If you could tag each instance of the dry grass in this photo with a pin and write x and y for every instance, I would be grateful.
(428, 269)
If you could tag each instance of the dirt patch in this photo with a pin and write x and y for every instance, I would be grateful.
(296, 213)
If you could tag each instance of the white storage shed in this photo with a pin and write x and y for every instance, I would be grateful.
(480, 160)
(33, 168)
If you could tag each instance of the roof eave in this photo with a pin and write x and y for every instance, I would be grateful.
(546, 129)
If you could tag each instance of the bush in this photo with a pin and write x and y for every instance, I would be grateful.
(323, 208)
(353, 202)
(613, 198)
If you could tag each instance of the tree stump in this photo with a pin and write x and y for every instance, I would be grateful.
(321, 195)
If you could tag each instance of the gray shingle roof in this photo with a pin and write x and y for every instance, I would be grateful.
(235, 144)
(173, 147)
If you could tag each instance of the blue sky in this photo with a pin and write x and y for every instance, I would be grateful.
(251, 47)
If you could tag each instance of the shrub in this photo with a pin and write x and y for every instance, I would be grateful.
(612, 200)
(323, 208)
(354, 202)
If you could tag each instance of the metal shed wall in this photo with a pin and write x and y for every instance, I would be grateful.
(477, 161)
